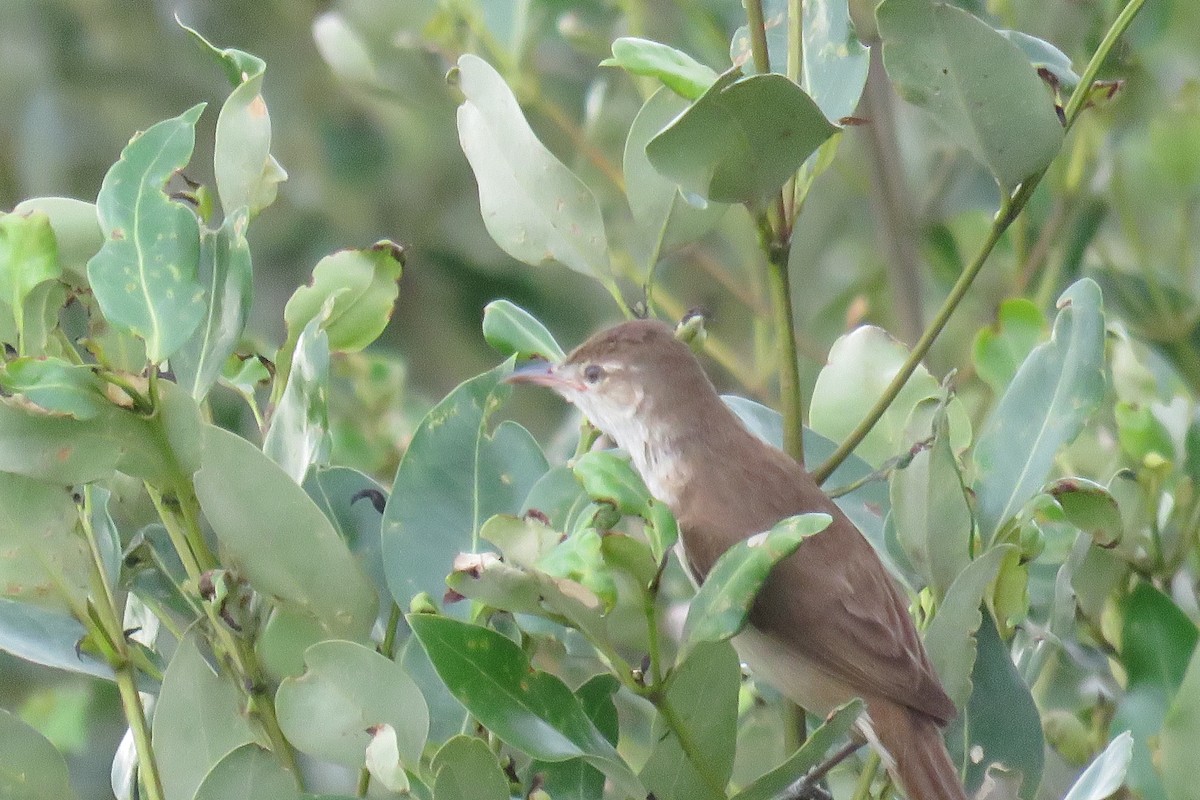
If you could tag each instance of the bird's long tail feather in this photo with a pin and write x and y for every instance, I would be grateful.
(916, 753)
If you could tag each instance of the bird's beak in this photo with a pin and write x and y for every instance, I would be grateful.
(539, 373)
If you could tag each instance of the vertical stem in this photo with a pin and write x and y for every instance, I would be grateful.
(789, 369)
(758, 36)
(116, 650)
(131, 703)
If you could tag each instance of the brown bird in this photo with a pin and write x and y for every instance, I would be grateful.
(830, 623)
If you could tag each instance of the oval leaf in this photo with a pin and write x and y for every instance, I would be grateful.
(678, 71)
(456, 474)
(32, 769)
(608, 478)
(535, 208)
(276, 537)
(145, 274)
(511, 330)
(860, 366)
(663, 218)
(742, 140)
(351, 688)
(978, 86)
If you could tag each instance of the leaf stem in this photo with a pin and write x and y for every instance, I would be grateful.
(179, 516)
(1011, 206)
(135, 715)
(105, 614)
(779, 284)
(758, 36)
(862, 790)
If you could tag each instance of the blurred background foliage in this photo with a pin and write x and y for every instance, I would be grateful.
(370, 145)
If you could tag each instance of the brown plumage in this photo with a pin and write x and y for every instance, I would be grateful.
(830, 623)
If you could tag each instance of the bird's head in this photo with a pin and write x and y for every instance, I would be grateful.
(625, 379)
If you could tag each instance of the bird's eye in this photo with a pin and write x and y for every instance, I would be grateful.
(592, 373)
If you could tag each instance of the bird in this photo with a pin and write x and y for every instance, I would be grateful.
(830, 623)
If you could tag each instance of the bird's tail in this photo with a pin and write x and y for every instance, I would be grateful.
(916, 754)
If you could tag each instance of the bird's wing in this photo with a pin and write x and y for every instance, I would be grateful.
(832, 601)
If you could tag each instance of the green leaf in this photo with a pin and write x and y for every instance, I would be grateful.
(609, 478)
(950, 637)
(1000, 723)
(860, 366)
(575, 779)
(662, 217)
(248, 771)
(742, 140)
(299, 434)
(337, 491)
(702, 693)
(511, 330)
(57, 386)
(32, 769)
(580, 558)
(43, 559)
(1000, 348)
(530, 710)
(351, 688)
(534, 207)
(455, 475)
(558, 496)
(145, 274)
(226, 274)
(277, 538)
(1107, 772)
(28, 257)
(76, 230)
(774, 783)
(721, 606)
(1141, 434)
(1089, 507)
(247, 175)
(42, 307)
(162, 449)
(978, 86)
(363, 286)
(835, 61)
(465, 768)
(45, 637)
(1157, 639)
(522, 541)
(285, 637)
(1177, 743)
(1052, 395)
(1045, 56)
(930, 511)
(678, 71)
(198, 720)
(488, 580)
